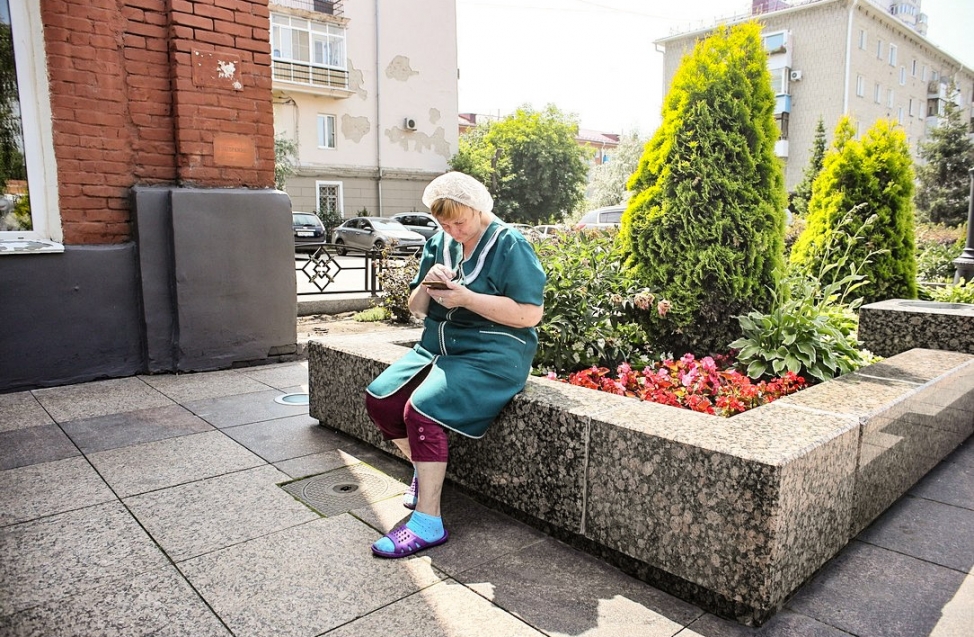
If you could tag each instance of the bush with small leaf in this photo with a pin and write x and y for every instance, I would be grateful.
(960, 293)
(394, 275)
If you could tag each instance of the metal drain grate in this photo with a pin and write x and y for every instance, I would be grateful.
(345, 489)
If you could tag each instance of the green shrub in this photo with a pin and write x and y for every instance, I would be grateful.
(394, 275)
(936, 248)
(705, 225)
(961, 293)
(591, 305)
(372, 315)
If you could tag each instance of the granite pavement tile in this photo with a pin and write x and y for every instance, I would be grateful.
(58, 557)
(184, 388)
(133, 427)
(562, 592)
(285, 376)
(192, 519)
(243, 409)
(950, 482)
(285, 438)
(166, 463)
(870, 591)
(446, 609)
(33, 445)
(928, 530)
(305, 580)
(157, 603)
(49, 488)
(316, 463)
(99, 398)
(785, 624)
(19, 410)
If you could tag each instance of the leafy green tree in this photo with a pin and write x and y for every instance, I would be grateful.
(530, 163)
(943, 180)
(285, 153)
(705, 225)
(609, 180)
(869, 177)
(803, 191)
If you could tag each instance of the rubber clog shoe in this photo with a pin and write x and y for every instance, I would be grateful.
(407, 543)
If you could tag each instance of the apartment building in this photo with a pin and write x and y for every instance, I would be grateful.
(367, 91)
(866, 58)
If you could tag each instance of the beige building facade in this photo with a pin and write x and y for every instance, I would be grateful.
(367, 91)
(863, 58)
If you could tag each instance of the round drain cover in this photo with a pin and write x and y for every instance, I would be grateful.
(299, 398)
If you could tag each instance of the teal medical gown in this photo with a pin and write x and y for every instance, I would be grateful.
(476, 365)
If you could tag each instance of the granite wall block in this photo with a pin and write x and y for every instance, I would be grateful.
(890, 327)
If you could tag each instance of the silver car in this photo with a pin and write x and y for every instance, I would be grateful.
(421, 222)
(375, 233)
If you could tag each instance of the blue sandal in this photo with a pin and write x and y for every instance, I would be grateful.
(407, 543)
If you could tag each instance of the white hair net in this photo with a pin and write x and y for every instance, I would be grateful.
(461, 188)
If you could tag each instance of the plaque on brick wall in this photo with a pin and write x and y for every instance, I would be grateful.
(234, 150)
(217, 70)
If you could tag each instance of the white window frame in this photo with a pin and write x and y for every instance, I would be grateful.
(35, 112)
(902, 76)
(878, 93)
(860, 86)
(879, 49)
(303, 41)
(912, 109)
(892, 54)
(862, 39)
(889, 98)
(899, 115)
(923, 74)
(772, 36)
(327, 135)
(779, 80)
(339, 195)
(914, 73)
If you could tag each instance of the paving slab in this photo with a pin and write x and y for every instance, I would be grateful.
(447, 609)
(158, 603)
(243, 409)
(285, 376)
(285, 438)
(207, 515)
(133, 427)
(99, 398)
(33, 445)
(784, 624)
(316, 463)
(950, 482)
(305, 580)
(19, 410)
(184, 388)
(928, 530)
(166, 463)
(562, 592)
(50, 488)
(58, 557)
(870, 591)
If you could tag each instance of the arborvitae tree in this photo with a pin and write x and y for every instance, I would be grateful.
(943, 180)
(609, 180)
(530, 163)
(803, 191)
(705, 225)
(862, 179)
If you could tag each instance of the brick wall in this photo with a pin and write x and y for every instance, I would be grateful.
(155, 92)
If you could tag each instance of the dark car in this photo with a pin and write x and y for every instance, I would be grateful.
(309, 232)
(421, 222)
(375, 233)
(608, 217)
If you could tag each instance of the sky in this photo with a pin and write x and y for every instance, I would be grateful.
(596, 58)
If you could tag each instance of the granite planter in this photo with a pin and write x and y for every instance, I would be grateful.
(890, 327)
(733, 514)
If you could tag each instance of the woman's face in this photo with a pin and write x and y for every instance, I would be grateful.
(465, 227)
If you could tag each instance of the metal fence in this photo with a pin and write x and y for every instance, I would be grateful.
(329, 272)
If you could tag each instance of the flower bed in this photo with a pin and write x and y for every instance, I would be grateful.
(709, 385)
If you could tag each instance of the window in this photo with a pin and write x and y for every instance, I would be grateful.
(779, 80)
(330, 198)
(878, 94)
(923, 74)
(326, 131)
(902, 76)
(892, 55)
(775, 42)
(25, 135)
(860, 86)
(889, 98)
(912, 108)
(879, 49)
(914, 73)
(298, 40)
(781, 119)
(899, 115)
(862, 39)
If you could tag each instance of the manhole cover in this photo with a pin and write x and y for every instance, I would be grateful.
(344, 490)
(299, 398)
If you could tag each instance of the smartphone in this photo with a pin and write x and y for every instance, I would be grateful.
(436, 285)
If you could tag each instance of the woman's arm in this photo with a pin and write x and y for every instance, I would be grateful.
(499, 309)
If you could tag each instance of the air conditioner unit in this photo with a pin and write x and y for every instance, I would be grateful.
(795, 76)
(409, 124)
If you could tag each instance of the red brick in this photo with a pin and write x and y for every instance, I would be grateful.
(194, 21)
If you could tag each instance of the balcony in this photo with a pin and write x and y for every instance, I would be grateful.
(306, 78)
(315, 6)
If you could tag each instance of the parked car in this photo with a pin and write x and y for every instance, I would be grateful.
(309, 232)
(375, 233)
(549, 231)
(422, 222)
(608, 217)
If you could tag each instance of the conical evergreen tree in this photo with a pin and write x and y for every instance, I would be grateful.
(705, 224)
(862, 179)
(803, 191)
(943, 180)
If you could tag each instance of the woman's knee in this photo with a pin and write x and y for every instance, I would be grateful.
(427, 440)
(387, 416)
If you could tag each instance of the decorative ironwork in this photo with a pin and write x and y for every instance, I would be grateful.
(332, 273)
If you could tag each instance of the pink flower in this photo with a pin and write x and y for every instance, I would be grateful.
(663, 307)
(552, 376)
